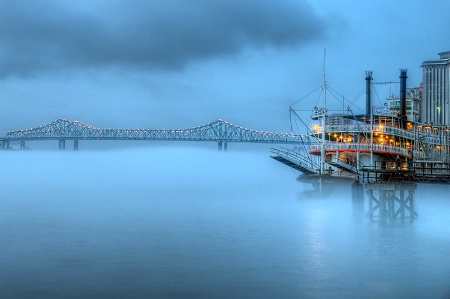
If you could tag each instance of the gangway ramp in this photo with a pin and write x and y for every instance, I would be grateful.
(343, 166)
(295, 160)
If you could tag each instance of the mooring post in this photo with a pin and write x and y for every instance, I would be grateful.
(358, 197)
(75, 145)
(357, 160)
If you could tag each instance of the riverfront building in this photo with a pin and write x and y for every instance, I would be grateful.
(436, 90)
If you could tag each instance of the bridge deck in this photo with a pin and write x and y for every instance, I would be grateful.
(218, 130)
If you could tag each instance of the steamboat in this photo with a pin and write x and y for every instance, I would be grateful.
(387, 143)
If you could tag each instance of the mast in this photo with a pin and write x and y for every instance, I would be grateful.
(369, 110)
(322, 148)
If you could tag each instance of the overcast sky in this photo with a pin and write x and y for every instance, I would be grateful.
(180, 63)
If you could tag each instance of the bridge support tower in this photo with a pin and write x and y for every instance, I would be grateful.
(5, 144)
(222, 145)
(62, 144)
(75, 145)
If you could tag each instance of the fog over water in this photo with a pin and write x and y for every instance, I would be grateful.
(192, 222)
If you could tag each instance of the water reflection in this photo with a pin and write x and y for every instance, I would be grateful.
(358, 198)
(387, 203)
(390, 203)
(322, 186)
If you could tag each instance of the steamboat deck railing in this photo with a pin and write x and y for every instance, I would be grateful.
(388, 149)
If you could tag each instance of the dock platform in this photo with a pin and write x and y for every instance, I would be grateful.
(414, 171)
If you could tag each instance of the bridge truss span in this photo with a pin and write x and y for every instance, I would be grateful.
(218, 130)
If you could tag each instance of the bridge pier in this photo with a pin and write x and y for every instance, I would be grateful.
(5, 144)
(75, 145)
(222, 145)
(22, 145)
(62, 144)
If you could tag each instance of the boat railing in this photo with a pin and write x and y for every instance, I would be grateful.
(361, 128)
(417, 167)
(392, 166)
(430, 136)
(429, 167)
(396, 131)
(424, 137)
(361, 146)
(431, 156)
(296, 156)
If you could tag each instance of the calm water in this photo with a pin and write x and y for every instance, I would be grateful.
(195, 223)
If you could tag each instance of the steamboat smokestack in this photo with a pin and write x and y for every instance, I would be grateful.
(403, 77)
(368, 92)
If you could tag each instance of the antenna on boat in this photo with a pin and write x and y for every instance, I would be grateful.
(324, 78)
(322, 148)
(369, 110)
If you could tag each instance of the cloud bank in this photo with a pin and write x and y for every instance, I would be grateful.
(52, 35)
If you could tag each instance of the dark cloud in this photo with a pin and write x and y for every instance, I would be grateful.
(40, 36)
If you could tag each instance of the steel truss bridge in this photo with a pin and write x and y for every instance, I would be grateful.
(218, 131)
